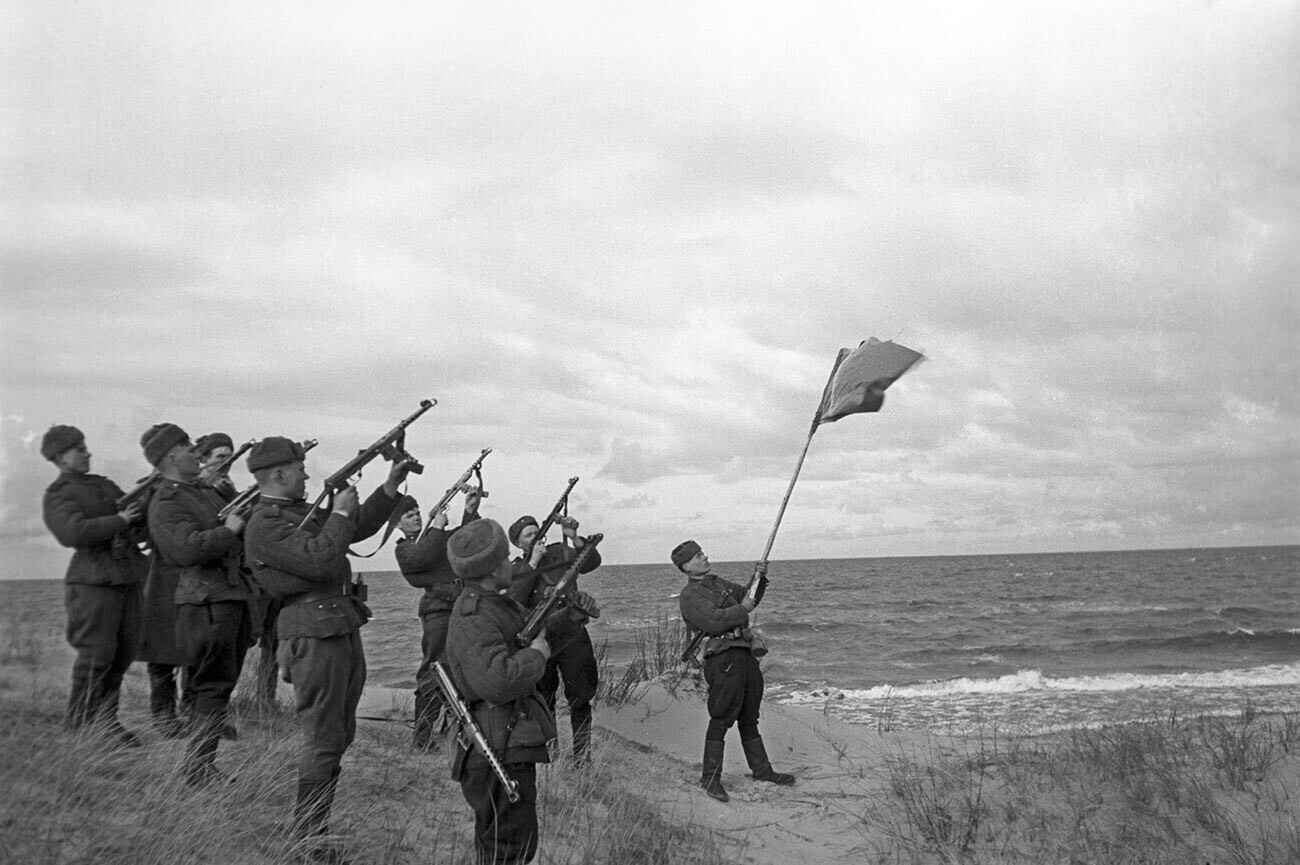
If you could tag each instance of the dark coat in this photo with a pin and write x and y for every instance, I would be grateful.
(425, 566)
(194, 544)
(712, 605)
(308, 568)
(497, 678)
(528, 587)
(81, 511)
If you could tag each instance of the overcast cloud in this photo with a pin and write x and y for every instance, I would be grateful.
(626, 244)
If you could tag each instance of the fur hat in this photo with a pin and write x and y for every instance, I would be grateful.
(273, 451)
(477, 549)
(58, 439)
(518, 526)
(159, 439)
(210, 442)
(684, 552)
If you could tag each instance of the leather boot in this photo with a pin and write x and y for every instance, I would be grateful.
(711, 776)
(201, 751)
(311, 813)
(756, 755)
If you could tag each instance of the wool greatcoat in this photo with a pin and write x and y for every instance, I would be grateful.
(101, 591)
(319, 626)
(498, 682)
(424, 565)
(201, 558)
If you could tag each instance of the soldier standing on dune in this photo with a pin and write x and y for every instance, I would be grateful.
(102, 583)
(202, 552)
(305, 566)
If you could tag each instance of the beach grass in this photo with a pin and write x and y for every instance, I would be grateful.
(1164, 791)
(73, 799)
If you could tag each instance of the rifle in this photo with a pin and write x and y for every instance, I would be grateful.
(469, 733)
(537, 618)
(755, 589)
(223, 467)
(140, 492)
(555, 514)
(243, 503)
(390, 446)
(461, 485)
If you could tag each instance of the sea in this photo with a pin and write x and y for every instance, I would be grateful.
(1024, 643)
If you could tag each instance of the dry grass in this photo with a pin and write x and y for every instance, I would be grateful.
(1162, 792)
(68, 799)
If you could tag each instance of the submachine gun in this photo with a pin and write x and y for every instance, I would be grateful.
(461, 485)
(557, 513)
(391, 446)
(225, 465)
(140, 492)
(468, 734)
(243, 503)
(537, 618)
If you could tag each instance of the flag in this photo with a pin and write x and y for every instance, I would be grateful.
(858, 381)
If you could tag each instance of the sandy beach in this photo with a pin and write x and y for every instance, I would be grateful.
(1171, 790)
(654, 743)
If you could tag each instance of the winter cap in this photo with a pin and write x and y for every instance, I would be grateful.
(477, 549)
(684, 552)
(58, 439)
(274, 451)
(518, 526)
(159, 439)
(210, 442)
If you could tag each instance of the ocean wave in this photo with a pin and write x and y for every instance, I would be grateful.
(1024, 681)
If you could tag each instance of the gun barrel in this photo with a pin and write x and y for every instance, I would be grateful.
(469, 728)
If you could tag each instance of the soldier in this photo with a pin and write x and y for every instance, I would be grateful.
(201, 553)
(164, 660)
(572, 656)
(721, 610)
(498, 681)
(212, 450)
(425, 566)
(319, 625)
(102, 591)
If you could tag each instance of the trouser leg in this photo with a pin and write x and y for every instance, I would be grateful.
(505, 833)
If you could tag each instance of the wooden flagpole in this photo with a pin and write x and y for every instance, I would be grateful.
(771, 539)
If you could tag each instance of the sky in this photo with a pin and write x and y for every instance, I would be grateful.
(625, 242)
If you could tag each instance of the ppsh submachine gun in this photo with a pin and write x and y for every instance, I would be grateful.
(558, 594)
(225, 465)
(460, 486)
(468, 734)
(140, 492)
(390, 446)
(557, 513)
(243, 503)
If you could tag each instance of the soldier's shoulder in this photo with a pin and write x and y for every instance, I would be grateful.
(467, 603)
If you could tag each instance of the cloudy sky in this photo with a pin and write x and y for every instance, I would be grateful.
(625, 242)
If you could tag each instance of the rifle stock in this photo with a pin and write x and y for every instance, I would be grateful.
(390, 446)
(470, 734)
(537, 618)
(551, 517)
(461, 485)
